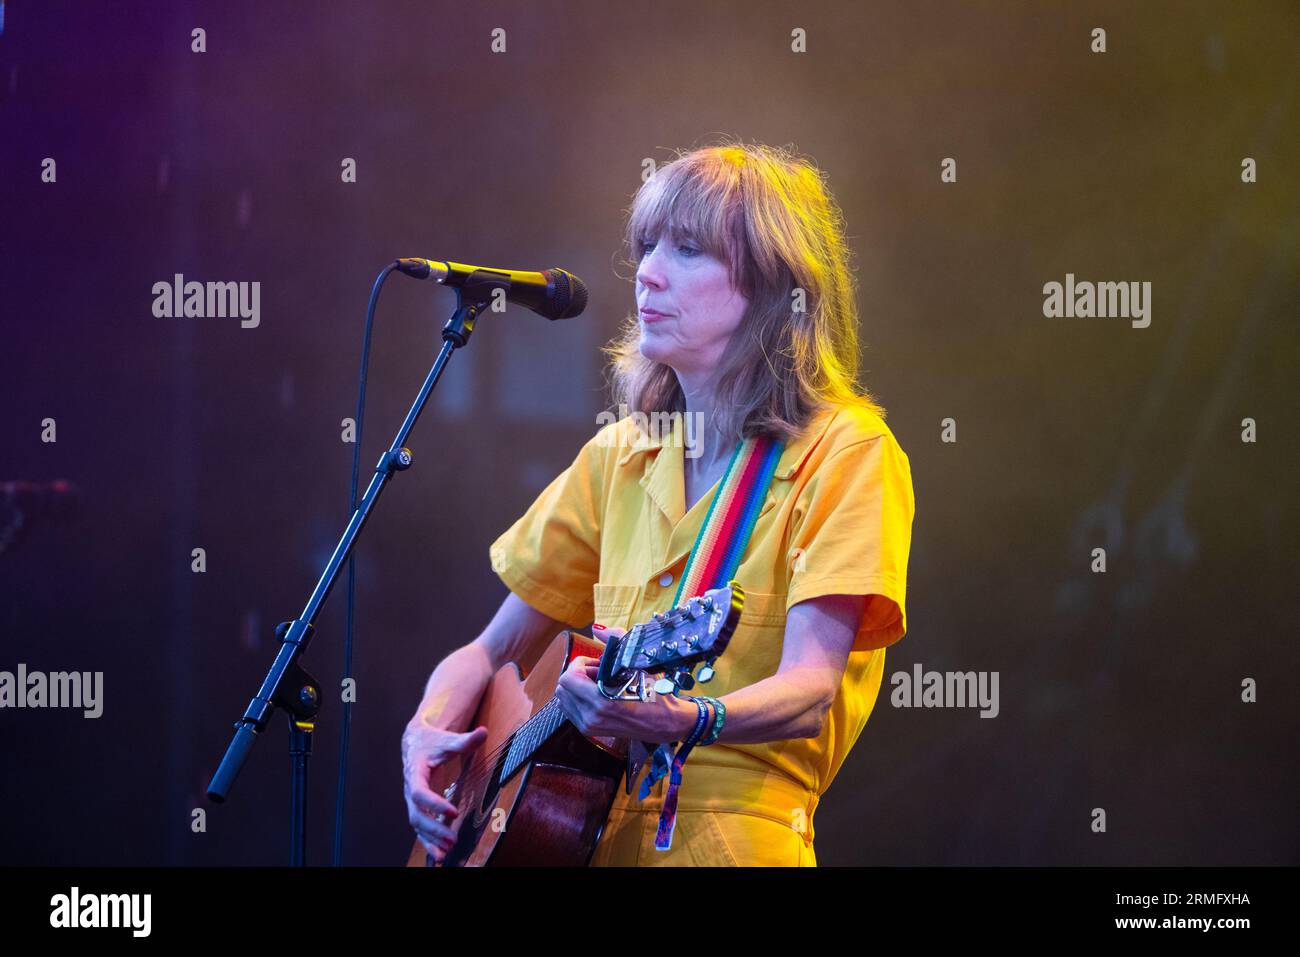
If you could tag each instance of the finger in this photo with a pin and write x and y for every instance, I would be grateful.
(433, 804)
(434, 850)
(468, 741)
(419, 791)
(583, 678)
(435, 845)
(567, 705)
(416, 775)
(439, 849)
(431, 829)
(581, 667)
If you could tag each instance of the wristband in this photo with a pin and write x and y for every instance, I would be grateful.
(719, 719)
(668, 814)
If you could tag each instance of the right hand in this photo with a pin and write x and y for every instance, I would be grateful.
(423, 749)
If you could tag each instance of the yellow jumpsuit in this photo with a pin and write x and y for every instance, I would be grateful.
(608, 539)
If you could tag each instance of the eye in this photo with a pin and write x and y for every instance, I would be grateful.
(644, 246)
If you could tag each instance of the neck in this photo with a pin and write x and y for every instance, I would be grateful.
(709, 449)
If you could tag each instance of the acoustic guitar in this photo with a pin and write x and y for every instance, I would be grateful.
(537, 792)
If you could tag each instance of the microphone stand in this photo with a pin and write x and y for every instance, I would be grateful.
(287, 685)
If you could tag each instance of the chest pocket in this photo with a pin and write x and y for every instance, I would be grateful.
(614, 603)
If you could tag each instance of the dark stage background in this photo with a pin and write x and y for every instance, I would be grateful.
(1119, 691)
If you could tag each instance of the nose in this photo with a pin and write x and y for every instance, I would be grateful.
(649, 271)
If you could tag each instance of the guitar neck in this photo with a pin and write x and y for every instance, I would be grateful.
(701, 628)
(530, 736)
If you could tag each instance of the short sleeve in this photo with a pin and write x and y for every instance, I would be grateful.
(550, 557)
(851, 534)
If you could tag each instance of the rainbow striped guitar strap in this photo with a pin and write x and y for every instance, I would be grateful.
(713, 561)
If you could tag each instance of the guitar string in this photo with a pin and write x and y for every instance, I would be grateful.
(483, 766)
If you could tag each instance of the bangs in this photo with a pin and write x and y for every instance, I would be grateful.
(695, 198)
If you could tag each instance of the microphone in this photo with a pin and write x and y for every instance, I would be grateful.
(553, 293)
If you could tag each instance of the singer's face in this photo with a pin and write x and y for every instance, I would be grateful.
(700, 307)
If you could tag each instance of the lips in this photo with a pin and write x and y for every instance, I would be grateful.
(652, 315)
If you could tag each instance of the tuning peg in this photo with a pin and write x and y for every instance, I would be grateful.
(685, 680)
(707, 672)
(665, 685)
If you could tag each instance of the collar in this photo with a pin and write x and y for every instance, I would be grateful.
(661, 477)
(792, 457)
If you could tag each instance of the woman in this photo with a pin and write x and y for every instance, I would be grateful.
(746, 326)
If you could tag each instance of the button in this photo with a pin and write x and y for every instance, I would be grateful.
(666, 579)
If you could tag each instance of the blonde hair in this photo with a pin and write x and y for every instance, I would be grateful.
(769, 215)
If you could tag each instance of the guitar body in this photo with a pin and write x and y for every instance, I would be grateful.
(551, 810)
(537, 792)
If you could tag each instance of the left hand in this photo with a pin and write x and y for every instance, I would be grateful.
(659, 719)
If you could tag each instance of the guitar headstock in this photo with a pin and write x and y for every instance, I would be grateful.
(672, 643)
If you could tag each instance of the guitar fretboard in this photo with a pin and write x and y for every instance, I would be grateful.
(532, 734)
